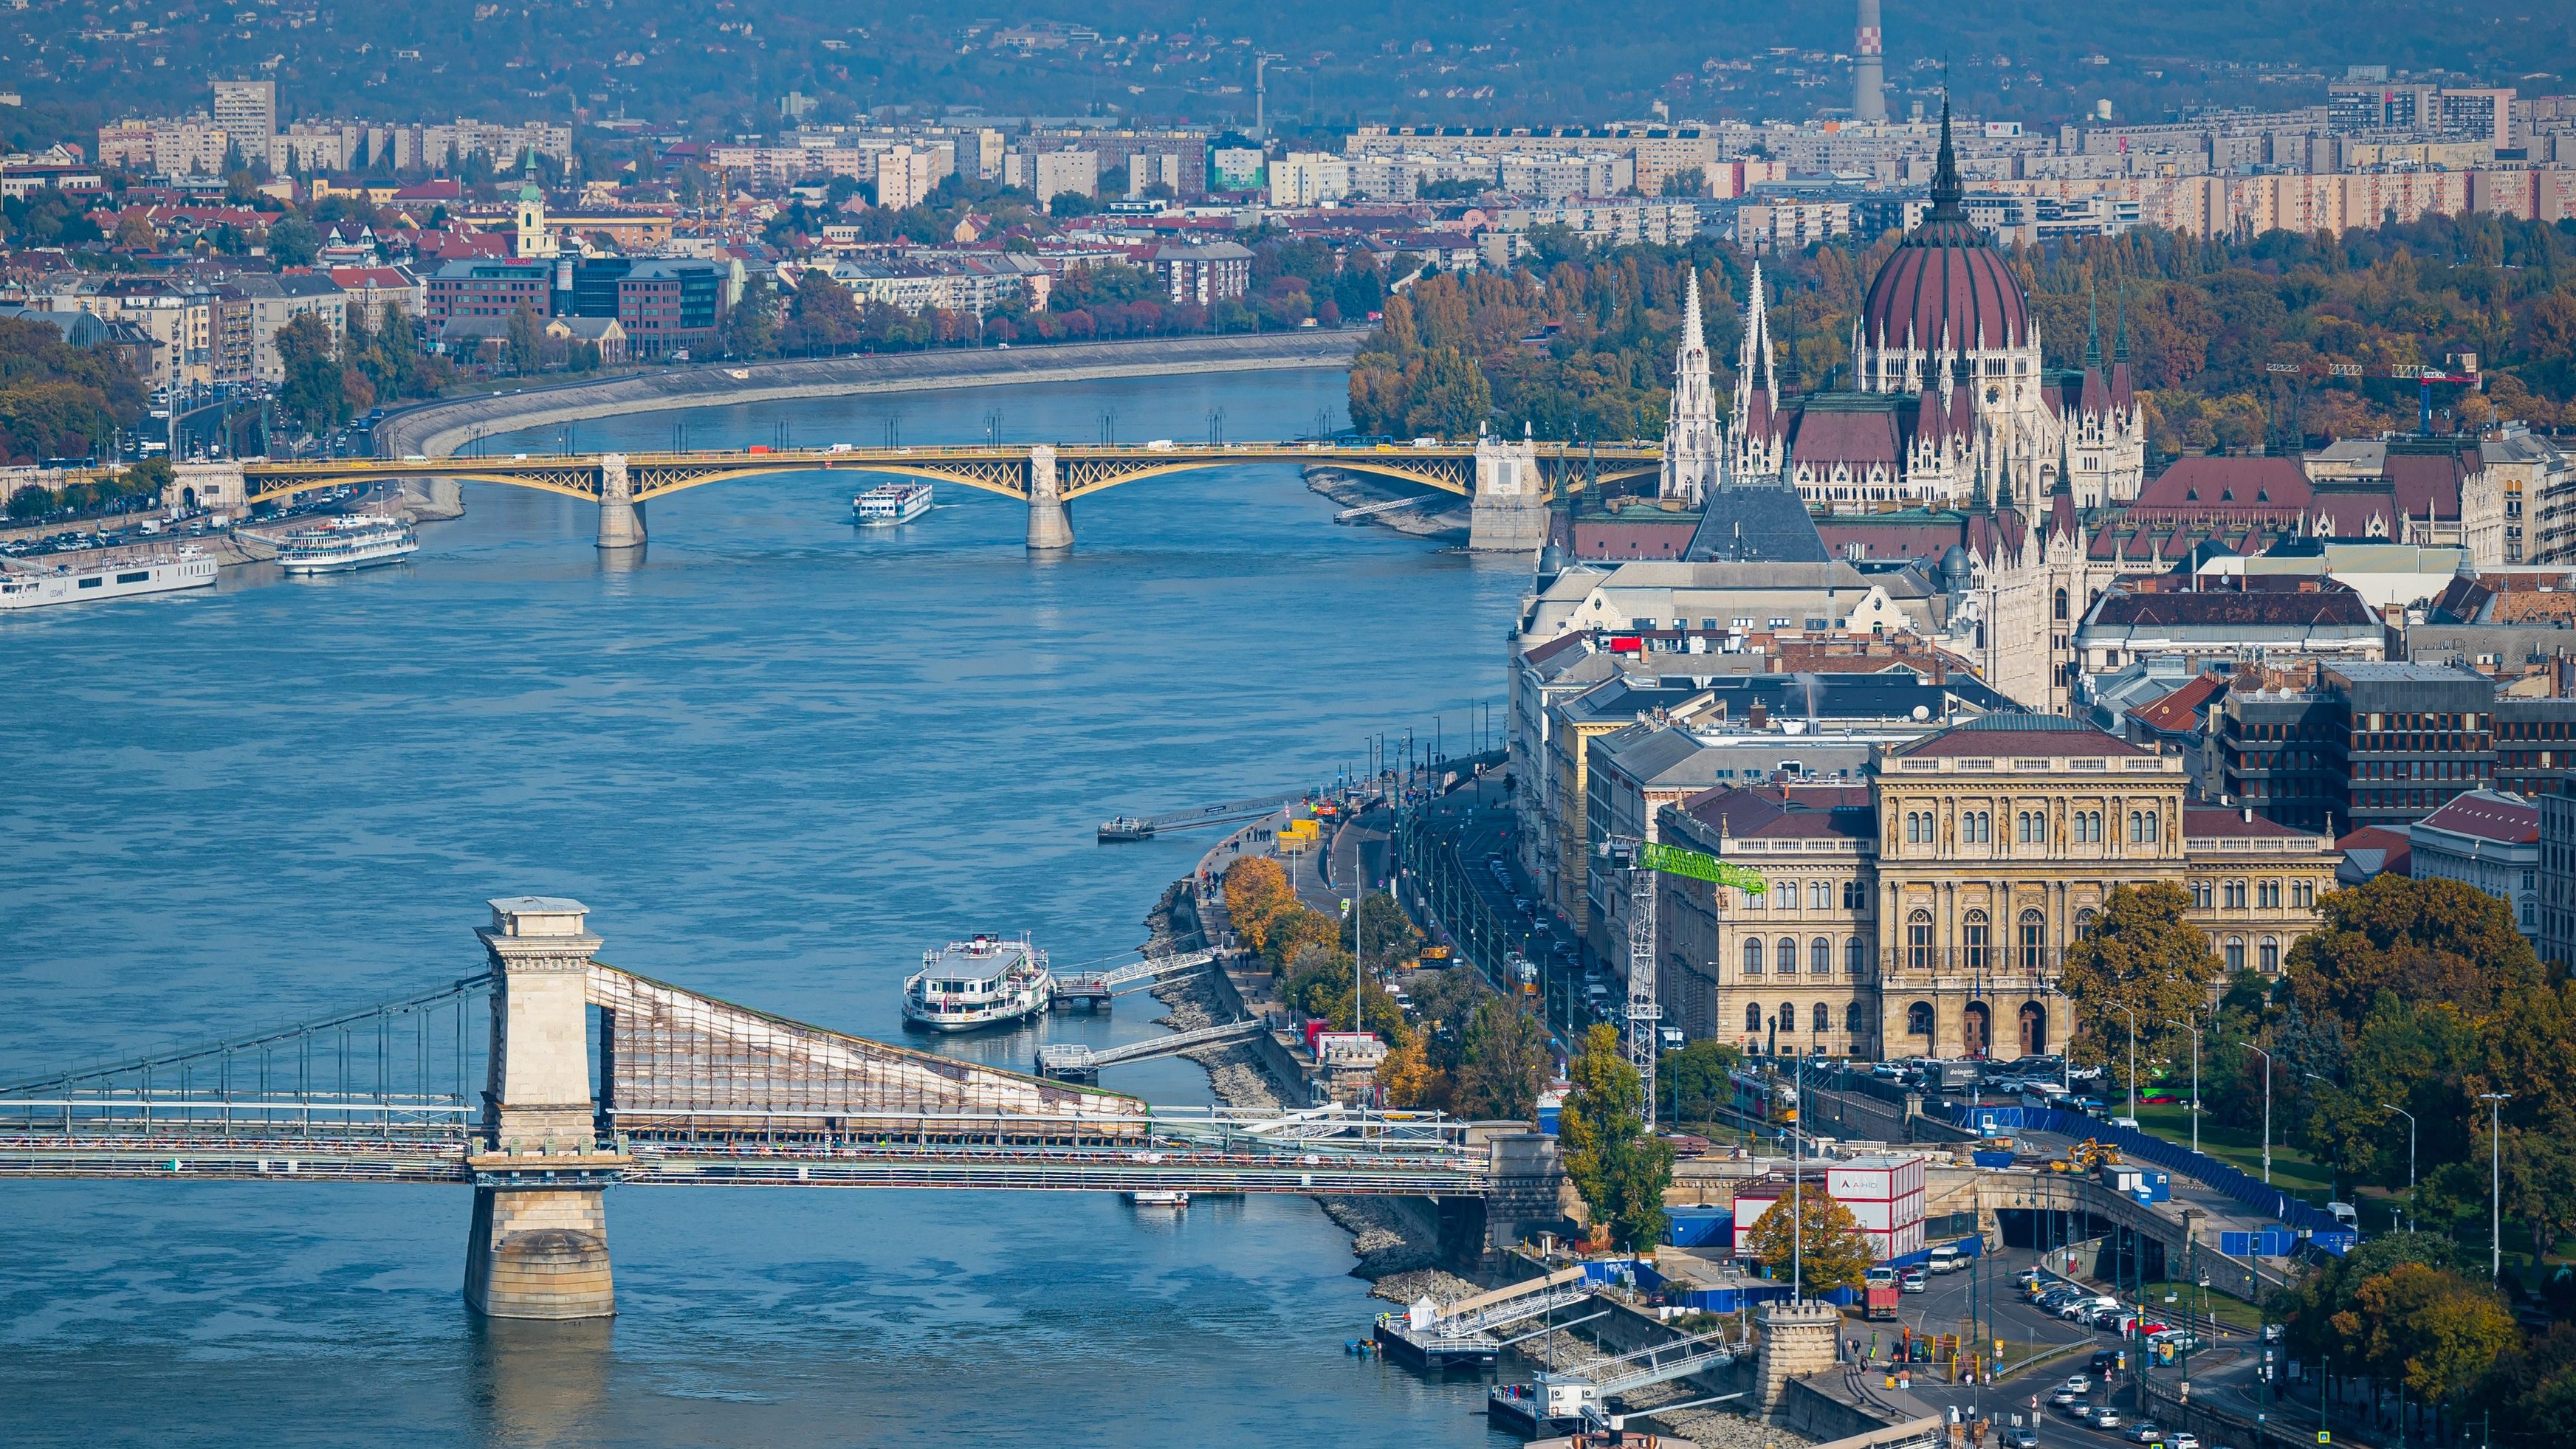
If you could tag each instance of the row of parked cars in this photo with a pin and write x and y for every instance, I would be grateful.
(2078, 1304)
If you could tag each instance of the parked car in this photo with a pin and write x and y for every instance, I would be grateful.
(1914, 1281)
(2020, 1439)
(1946, 1259)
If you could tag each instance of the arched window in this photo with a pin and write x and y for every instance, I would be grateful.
(1974, 937)
(2034, 941)
(1824, 1018)
(1976, 828)
(1788, 1017)
(1753, 1016)
(2137, 827)
(1820, 957)
(2026, 829)
(1787, 960)
(1820, 896)
(1753, 956)
(1918, 1019)
(2083, 923)
(1918, 941)
(1855, 957)
(2235, 954)
(2152, 818)
(2061, 604)
(1853, 1020)
(2271, 957)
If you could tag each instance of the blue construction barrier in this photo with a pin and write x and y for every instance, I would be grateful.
(2314, 1224)
(1696, 1227)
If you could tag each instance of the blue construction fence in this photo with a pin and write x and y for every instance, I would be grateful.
(2316, 1225)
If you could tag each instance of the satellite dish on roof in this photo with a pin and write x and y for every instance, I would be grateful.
(1922, 713)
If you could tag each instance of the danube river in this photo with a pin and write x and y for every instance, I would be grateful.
(778, 756)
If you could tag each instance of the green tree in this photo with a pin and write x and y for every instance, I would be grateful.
(821, 318)
(1694, 1078)
(293, 242)
(527, 342)
(1503, 1063)
(317, 389)
(1808, 1226)
(751, 327)
(2144, 961)
(1620, 1170)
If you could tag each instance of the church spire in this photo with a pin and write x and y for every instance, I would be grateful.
(1693, 339)
(2092, 328)
(1946, 190)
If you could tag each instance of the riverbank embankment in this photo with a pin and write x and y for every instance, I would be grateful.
(1443, 517)
(1395, 1239)
(437, 428)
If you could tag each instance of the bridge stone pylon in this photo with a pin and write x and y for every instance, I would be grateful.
(621, 518)
(1508, 512)
(539, 1244)
(1050, 527)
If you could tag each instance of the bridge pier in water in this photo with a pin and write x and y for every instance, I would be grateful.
(1050, 527)
(621, 518)
(539, 1243)
(1508, 511)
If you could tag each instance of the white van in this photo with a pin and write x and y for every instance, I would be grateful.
(1946, 1259)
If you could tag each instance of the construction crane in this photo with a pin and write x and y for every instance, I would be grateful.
(1644, 860)
(2459, 367)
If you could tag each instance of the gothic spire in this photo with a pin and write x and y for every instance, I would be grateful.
(1946, 190)
(1693, 340)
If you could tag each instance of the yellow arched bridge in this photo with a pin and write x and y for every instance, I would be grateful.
(1508, 482)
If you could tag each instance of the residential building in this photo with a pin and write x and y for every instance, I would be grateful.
(1926, 910)
(2218, 619)
(1207, 273)
(2366, 744)
(246, 112)
(2536, 479)
(905, 176)
(274, 302)
(2486, 839)
(376, 296)
(1309, 178)
(1049, 174)
(2557, 936)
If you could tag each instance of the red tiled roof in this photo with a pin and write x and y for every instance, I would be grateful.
(2196, 487)
(1833, 436)
(2019, 734)
(2179, 710)
(2484, 816)
(2428, 483)
(2208, 821)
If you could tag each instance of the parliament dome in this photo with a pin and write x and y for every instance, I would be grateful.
(1945, 284)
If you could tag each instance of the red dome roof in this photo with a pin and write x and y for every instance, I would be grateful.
(1945, 283)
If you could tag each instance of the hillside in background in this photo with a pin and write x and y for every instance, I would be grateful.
(719, 66)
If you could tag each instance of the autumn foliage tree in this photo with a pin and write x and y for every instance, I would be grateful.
(1620, 1169)
(1808, 1227)
(2143, 957)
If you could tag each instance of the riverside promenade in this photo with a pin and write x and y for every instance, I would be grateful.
(435, 429)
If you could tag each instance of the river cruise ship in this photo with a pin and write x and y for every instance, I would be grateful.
(189, 568)
(359, 541)
(888, 504)
(988, 981)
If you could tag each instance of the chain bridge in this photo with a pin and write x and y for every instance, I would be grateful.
(549, 1076)
(1508, 483)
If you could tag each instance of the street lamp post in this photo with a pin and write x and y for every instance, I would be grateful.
(1797, 1192)
(2194, 1029)
(2133, 1065)
(2410, 1158)
(2267, 1110)
(2495, 1186)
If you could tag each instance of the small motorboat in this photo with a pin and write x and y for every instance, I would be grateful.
(1124, 829)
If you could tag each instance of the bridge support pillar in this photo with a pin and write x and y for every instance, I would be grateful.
(1798, 1339)
(539, 1245)
(1525, 1182)
(1509, 511)
(621, 518)
(219, 486)
(1050, 527)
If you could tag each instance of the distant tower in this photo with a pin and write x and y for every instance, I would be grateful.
(1869, 68)
(1693, 446)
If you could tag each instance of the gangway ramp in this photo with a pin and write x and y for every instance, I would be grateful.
(1075, 1062)
(1464, 1336)
(1515, 1302)
(1223, 813)
(1094, 989)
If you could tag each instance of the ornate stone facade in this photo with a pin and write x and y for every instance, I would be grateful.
(1927, 912)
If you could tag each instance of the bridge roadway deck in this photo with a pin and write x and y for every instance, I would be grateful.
(755, 1164)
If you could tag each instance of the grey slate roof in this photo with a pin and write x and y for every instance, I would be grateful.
(1761, 521)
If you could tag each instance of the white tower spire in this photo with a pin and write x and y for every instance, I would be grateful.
(1691, 440)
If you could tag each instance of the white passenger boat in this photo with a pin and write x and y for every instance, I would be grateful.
(359, 541)
(888, 504)
(1158, 1198)
(189, 568)
(988, 981)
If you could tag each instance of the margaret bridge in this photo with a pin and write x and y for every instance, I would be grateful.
(549, 1076)
(1508, 483)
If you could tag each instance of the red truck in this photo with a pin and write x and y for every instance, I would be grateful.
(1879, 1301)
